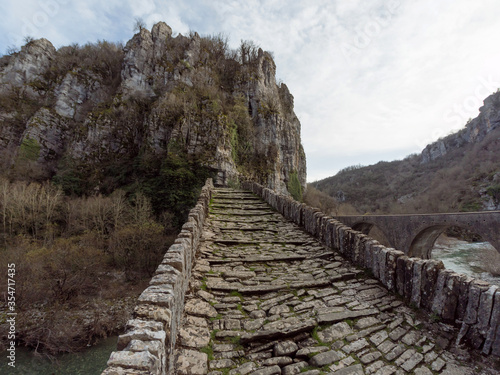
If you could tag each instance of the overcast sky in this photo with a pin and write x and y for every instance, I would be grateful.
(372, 80)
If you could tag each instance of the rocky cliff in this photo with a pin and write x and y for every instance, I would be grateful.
(473, 132)
(460, 172)
(94, 113)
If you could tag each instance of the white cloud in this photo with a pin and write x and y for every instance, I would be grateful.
(371, 79)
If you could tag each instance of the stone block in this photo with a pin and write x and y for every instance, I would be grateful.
(409, 262)
(165, 268)
(158, 313)
(493, 334)
(161, 295)
(244, 369)
(416, 282)
(351, 370)
(430, 273)
(375, 267)
(400, 274)
(169, 278)
(175, 257)
(359, 248)
(154, 347)
(477, 333)
(341, 234)
(476, 288)
(272, 370)
(123, 371)
(194, 336)
(144, 361)
(325, 358)
(452, 292)
(323, 231)
(369, 254)
(142, 335)
(316, 228)
(463, 297)
(440, 292)
(285, 348)
(136, 324)
(349, 243)
(390, 270)
(200, 308)
(486, 308)
(335, 332)
(191, 362)
(329, 231)
(296, 368)
(382, 264)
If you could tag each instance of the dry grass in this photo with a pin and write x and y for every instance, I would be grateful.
(328, 205)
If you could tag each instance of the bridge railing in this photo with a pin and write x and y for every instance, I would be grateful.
(472, 305)
(147, 346)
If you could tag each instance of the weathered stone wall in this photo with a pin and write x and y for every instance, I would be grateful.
(145, 347)
(473, 305)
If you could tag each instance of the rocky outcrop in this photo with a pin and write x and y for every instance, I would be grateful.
(27, 65)
(182, 95)
(142, 67)
(474, 132)
(278, 129)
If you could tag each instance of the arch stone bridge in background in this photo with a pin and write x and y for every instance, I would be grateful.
(416, 234)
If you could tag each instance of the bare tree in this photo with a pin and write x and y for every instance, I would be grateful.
(139, 24)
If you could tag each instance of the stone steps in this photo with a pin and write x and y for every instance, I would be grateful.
(269, 299)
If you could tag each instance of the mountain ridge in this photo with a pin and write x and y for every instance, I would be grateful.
(460, 172)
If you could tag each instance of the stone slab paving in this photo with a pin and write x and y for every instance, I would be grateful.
(267, 298)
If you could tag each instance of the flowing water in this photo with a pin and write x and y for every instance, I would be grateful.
(90, 362)
(467, 257)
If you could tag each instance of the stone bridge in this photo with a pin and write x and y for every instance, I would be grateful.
(257, 283)
(415, 234)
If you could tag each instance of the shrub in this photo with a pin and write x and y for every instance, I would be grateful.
(294, 187)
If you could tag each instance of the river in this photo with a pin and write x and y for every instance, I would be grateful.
(468, 257)
(90, 362)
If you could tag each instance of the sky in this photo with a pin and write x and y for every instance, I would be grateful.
(372, 80)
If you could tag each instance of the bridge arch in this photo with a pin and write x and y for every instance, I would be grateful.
(374, 231)
(415, 234)
(363, 227)
(422, 244)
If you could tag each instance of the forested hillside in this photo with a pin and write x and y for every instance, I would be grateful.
(460, 172)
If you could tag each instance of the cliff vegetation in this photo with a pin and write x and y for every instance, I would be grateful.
(103, 151)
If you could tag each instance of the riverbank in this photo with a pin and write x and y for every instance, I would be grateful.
(89, 362)
(50, 330)
(476, 259)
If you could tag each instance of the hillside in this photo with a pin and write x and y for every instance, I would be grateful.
(96, 117)
(460, 172)
(104, 149)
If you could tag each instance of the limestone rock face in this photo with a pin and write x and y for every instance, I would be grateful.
(183, 95)
(278, 129)
(475, 131)
(33, 59)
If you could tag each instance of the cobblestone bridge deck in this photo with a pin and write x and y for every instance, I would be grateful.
(266, 298)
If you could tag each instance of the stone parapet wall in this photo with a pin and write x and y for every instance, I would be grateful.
(149, 340)
(471, 305)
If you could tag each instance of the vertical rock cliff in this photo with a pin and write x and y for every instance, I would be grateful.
(94, 113)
